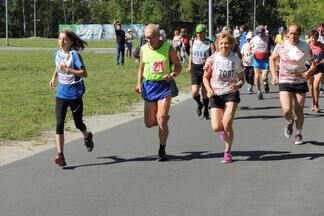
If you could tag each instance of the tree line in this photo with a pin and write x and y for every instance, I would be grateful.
(170, 14)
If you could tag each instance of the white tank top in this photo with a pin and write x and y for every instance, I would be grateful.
(200, 51)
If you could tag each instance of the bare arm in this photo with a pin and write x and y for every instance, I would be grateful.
(82, 72)
(190, 59)
(206, 82)
(272, 61)
(311, 70)
(140, 75)
(177, 64)
(52, 82)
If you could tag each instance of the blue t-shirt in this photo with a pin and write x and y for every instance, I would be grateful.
(70, 86)
(243, 39)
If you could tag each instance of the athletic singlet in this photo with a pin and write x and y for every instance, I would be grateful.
(200, 51)
(292, 61)
(70, 86)
(223, 71)
(318, 52)
(156, 62)
(260, 47)
(245, 53)
(67, 59)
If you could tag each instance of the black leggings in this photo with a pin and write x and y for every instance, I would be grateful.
(249, 74)
(77, 111)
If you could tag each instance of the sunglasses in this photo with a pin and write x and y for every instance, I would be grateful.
(200, 33)
(261, 32)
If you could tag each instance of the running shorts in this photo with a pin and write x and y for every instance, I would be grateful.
(319, 68)
(153, 91)
(219, 101)
(294, 88)
(197, 72)
(263, 64)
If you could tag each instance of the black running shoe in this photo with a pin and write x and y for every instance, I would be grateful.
(206, 116)
(162, 156)
(89, 142)
(199, 108)
(60, 160)
(266, 88)
(260, 96)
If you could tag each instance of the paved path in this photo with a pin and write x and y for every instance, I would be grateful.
(269, 175)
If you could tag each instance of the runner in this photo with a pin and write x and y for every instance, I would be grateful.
(314, 80)
(292, 79)
(220, 80)
(261, 45)
(200, 49)
(158, 86)
(248, 63)
(70, 71)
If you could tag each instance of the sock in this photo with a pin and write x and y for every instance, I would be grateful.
(298, 131)
(162, 148)
(206, 102)
(197, 99)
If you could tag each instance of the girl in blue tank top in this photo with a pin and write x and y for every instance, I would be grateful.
(70, 71)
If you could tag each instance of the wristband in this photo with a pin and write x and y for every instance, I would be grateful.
(172, 74)
(239, 85)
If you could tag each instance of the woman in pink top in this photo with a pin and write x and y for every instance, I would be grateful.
(314, 80)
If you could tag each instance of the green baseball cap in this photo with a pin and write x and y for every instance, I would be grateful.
(200, 29)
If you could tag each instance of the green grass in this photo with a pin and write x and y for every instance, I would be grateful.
(53, 43)
(27, 104)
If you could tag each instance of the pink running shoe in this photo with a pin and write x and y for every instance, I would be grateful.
(222, 135)
(227, 157)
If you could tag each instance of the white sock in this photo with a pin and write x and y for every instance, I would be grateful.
(299, 131)
(289, 122)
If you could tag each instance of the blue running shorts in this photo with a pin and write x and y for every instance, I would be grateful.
(263, 64)
(153, 91)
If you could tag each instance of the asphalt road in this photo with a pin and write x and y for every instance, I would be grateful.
(269, 176)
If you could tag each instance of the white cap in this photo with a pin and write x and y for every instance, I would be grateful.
(249, 36)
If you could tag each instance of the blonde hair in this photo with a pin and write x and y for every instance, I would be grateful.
(225, 34)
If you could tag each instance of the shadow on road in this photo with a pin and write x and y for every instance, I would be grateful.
(188, 156)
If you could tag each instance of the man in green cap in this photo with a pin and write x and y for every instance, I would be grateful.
(200, 49)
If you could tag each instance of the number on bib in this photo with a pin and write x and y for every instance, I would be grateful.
(157, 66)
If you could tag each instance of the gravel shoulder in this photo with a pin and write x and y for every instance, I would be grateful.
(14, 150)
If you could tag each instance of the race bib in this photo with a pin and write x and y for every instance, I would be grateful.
(157, 66)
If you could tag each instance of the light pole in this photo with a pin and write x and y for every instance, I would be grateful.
(227, 14)
(7, 40)
(34, 18)
(131, 14)
(73, 12)
(64, 11)
(254, 17)
(210, 19)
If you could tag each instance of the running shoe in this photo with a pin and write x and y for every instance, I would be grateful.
(206, 115)
(260, 96)
(162, 156)
(250, 90)
(227, 157)
(321, 91)
(298, 139)
(89, 142)
(222, 135)
(313, 107)
(60, 160)
(266, 88)
(199, 108)
(317, 108)
(289, 129)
